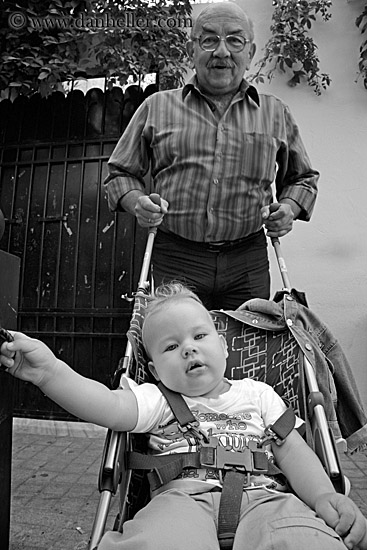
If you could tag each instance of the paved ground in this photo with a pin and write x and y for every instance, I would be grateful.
(54, 484)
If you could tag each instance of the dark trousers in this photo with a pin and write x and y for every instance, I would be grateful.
(222, 276)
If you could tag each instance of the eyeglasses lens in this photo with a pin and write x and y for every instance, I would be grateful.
(234, 43)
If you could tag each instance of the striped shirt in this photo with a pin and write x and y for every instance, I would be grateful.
(215, 174)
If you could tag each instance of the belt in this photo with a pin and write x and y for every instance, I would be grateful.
(215, 247)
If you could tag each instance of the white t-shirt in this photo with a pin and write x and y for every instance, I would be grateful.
(236, 417)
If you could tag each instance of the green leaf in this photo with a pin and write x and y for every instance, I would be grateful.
(43, 75)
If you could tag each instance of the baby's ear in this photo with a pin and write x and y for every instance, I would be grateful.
(224, 344)
(152, 369)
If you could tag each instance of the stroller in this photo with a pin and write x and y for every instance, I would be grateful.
(265, 342)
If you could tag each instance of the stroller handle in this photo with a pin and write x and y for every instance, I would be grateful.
(146, 259)
(282, 265)
(154, 197)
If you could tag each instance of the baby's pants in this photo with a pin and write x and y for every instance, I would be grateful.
(269, 521)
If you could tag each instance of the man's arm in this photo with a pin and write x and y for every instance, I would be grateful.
(129, 201)
(148, 212)
(129, 161)
(278, 217)
(296, 181)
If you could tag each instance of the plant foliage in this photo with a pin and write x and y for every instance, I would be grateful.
(361, 23)
(291, 48)
(46, 42)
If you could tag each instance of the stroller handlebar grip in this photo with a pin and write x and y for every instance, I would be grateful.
(154, 197)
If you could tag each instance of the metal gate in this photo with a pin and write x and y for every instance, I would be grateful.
(78, 260)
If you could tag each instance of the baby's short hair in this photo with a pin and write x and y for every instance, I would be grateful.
(166, 293)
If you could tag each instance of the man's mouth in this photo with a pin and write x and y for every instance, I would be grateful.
(220, 66)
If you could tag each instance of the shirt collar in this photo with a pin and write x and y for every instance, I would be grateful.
(245, 89)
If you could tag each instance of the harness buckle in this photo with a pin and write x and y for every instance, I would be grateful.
(213, 455)
(193, 429)
(246, 476)
(271, 436)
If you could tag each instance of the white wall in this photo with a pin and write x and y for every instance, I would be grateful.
(327, 257)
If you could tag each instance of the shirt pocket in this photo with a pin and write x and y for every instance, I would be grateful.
(259, 153)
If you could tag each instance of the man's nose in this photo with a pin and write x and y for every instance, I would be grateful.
(222, 50)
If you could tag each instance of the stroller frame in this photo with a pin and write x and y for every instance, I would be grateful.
(113, 471)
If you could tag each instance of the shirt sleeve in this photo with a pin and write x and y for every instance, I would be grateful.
(273, 406)
(296, 180)
(129, 162)
(151, 407)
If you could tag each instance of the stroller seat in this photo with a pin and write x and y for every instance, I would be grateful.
(267, 341)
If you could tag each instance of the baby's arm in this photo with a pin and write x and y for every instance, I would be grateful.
(309, 481)
(31, 360)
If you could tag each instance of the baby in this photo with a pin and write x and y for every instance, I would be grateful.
(189, 357)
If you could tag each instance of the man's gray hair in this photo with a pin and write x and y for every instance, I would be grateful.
(242, 15)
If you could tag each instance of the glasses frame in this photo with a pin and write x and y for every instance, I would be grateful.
(222, 39)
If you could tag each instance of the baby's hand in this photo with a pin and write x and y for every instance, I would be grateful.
(27, 358)
(340, 513)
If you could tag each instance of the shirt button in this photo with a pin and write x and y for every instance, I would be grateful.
(308, 346)
(215, 181)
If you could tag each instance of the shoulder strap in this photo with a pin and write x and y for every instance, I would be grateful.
(187, 423)
(282, 427)
(178, 405)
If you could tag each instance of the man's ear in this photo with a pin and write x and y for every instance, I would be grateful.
(152, 369)
(224, 344)
(251, 54)
(190, 48)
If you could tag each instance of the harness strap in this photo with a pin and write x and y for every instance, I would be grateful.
(165, 468)
(178, 405)
(282, 427)
(230, 508)
(187, 423)
(162, 468)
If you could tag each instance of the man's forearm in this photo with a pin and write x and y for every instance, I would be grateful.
(128, 201)
(296, 209)
(118, 185)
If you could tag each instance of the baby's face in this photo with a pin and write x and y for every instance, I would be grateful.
(187, 353)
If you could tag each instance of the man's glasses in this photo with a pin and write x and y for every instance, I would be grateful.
(210, 42)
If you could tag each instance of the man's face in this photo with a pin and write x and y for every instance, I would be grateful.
(221, 71)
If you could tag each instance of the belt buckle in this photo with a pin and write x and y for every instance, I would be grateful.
(215, 247)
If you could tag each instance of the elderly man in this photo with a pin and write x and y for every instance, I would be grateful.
(214, 147)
